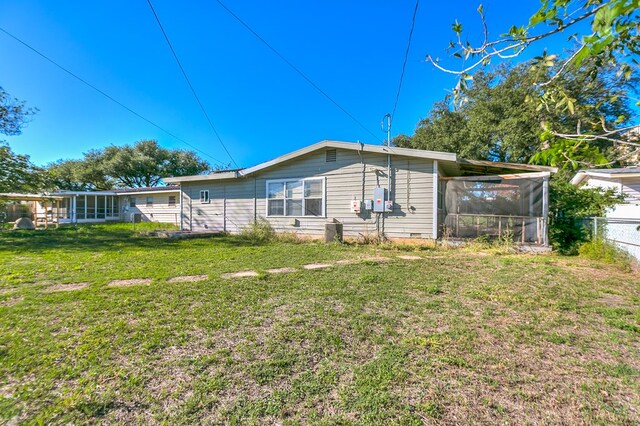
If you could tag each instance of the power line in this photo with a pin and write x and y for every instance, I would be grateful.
(404, 63)
(107, 95)
(297, 70)
(184, 73)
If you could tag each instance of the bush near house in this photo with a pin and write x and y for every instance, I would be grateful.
(454, 336)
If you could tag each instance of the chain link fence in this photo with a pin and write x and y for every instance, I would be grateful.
(624, 233)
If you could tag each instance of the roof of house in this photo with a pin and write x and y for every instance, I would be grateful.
(150, 189)
(28, 197)
(625, 172)
(449, 160)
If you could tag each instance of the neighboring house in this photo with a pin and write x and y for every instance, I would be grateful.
(620, 224)
(372, 191)
(625, 181)
(157, 204)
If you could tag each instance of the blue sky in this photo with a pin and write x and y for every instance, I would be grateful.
(353, 50)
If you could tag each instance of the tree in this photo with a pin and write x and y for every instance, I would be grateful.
(17, 173)
(140, 165)
(13, 114)
(500, 122)
(611, 42)
(87, 174)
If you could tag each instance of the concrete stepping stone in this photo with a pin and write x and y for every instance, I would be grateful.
(347, 261)
(311, 266)
(188, 279)
(241, 274)
(281, 270)
(130, 282)
(409, 257)
(375, 259)
(66, 287)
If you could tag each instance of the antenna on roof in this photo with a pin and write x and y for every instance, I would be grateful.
(386, 127)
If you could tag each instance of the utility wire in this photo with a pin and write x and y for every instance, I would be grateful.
(184, 73)
(297, 70)
(107, 95)
(404, 63)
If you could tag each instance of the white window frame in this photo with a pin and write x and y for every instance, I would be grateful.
(204, 196)
(302, 181)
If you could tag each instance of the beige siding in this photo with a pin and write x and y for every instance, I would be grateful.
(235, 203)
(160, 211)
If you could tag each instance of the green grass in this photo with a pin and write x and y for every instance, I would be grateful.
(454, 337)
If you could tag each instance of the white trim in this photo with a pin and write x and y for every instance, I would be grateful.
(207, 198)
(324, 197)
(434, 220)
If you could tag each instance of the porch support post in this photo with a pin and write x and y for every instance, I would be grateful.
(545, 210)
(434, 230)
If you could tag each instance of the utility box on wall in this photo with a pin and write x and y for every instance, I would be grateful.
(379, 198)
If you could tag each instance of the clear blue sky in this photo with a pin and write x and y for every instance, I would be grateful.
(352, 49)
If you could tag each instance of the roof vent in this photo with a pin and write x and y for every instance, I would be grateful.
(331, 155)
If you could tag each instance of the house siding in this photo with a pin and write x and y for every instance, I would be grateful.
(629, 187)
(235, 203)
(160, 211)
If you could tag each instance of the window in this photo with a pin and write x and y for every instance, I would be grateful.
(301, 197)
(204, 196)
(172, 200)
(132, 201)
(149, 201)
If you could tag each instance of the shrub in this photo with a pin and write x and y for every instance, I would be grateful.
(602, 250)
(259, 231)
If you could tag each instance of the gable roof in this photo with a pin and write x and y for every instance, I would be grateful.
(625, 172)
(450, 159)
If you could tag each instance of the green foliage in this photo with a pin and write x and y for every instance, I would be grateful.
(569, 205)
(501, 120)
(142, 164)
(259, 231)
(80, 175)
(602, 250)
(13, 114)
(17, 173)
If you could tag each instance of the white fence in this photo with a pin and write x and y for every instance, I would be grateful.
(624, 233)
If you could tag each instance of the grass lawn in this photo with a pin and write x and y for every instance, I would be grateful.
(454, 337)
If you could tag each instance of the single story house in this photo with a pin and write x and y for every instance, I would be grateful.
(372, 191)
(620, 224)
(156, 204)
(625, 181)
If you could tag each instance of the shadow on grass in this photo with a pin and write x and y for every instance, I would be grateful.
(104, 237)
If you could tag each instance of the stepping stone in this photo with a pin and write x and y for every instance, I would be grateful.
(131, 282)
(188, 278)
(11, 302)
(66, 287)
(317, 266)
(409, 257)
(346, 262)
(241, 274)
(376, 259)
(281, 270)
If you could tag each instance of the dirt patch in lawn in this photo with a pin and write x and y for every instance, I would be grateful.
(188, 278)
(130, 282)
(66, 287)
